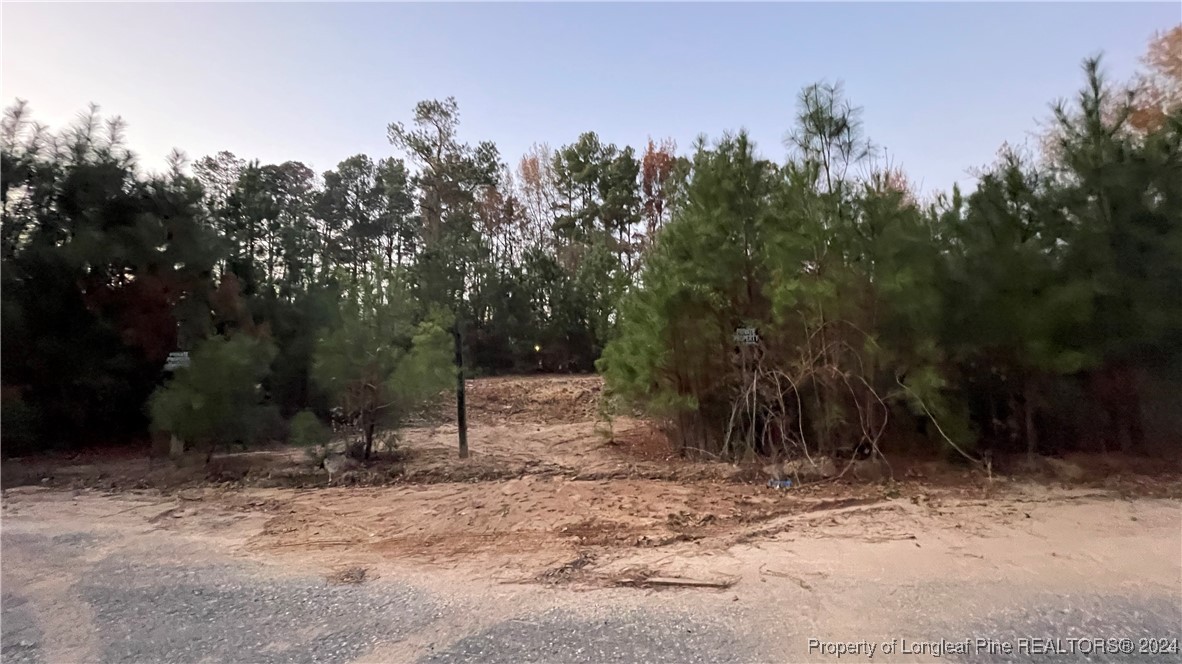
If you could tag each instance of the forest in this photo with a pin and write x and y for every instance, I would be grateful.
(1037, 313)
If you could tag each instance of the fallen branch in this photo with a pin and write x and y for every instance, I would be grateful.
(673, 581)
(309, 542)
(940, 429)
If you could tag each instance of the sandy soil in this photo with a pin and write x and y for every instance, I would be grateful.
(553, 494)
(562, 539)
(138, 576)
(597, 534)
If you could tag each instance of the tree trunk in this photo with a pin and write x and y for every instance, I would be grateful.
(369, 428)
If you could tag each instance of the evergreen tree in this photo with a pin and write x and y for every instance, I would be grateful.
(218, 398)
(377, 364)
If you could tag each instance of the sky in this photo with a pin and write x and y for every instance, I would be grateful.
(942, 85)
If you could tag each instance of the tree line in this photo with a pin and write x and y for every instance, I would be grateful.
(1001, 316)
(108, 269)
(1041, 312)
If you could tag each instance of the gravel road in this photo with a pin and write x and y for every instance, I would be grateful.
(144, 610)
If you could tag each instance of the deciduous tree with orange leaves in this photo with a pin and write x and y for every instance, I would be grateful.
(1158, 90)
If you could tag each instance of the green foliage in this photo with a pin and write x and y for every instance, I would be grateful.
(293, 327)
(994, 314)
(969, 313)
(95, 258)
(1060, 271)
(673, 348)
(217, 399)
(378, 365)
(307, 430)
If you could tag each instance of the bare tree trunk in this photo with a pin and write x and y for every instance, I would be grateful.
(369, 429)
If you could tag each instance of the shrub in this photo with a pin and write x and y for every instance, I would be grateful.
(307, 430)
(218, 399)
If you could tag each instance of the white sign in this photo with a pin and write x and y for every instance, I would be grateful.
(176, 361)
(746, 336)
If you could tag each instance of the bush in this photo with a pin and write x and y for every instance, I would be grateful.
(307, 430)
(217, 400)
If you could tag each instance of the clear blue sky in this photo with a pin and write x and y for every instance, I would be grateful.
(943, 85)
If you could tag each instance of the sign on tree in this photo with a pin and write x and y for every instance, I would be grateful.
(746, 336)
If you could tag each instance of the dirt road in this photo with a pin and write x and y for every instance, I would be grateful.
(558, 543)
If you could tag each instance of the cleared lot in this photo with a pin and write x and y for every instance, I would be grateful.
(560, 543)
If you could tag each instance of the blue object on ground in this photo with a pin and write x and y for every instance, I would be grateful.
(779, 484)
